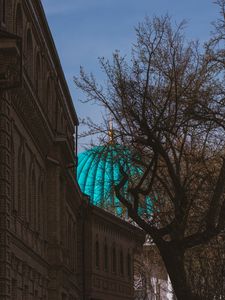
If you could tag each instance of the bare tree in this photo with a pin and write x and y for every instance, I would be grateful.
(156, 99)
(216, 45)
(206, 268)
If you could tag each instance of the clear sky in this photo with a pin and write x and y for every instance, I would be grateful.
(84, 30)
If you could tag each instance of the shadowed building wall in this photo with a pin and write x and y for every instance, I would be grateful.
(40, 198)
(110, 246)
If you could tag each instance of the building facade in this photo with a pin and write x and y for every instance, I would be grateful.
(40, 198)
(48, 230)
(109, 265)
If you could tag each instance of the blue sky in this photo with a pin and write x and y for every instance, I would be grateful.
(84, 30)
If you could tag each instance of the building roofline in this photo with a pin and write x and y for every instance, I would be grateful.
(56, 60)
(118, 221)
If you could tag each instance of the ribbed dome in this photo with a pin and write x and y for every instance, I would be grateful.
(98, 172)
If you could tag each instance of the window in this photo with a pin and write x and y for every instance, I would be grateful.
(25, 293)
(29, 64)
(114, 259)
(97, 254)
(121, 263)
(106, 264)
(19, 21)
(64, 296)
(128, 265)
(22, 187)
(38, 75)
(32, 202)
(39, 204)
(2, 11)
(49, 105)
(14, 289)
(74, 246)
(14, 194)
(70, 240)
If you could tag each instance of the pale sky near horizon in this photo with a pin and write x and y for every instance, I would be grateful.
(84, 30)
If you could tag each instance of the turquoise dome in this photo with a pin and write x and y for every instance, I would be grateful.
(99, 171)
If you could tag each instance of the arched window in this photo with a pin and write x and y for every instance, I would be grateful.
(106, 262)
(39, 204)
(3, 11)
(25, 292)
(128, 265)
(62, 123)
(29, 54)
(14, 289)
(23, 187)
(53, 105)
(22, 177)
(14, 174)
(97, 254)
(32, 201)
(38, 76)
(19, 21)
(74, 237)
(41, 208)
(20, 197)
(114, 259)
(49, 100)
(70, 241)
(121, 263)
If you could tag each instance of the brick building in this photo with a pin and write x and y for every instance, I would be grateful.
(48, 230)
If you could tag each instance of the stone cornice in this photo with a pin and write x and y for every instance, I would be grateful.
(117, 223)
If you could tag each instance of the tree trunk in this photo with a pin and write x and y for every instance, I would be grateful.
(173, 258)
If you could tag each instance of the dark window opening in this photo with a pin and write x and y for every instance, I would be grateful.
(19, 21)
(128, 265)
(29, 53)
(97, 254)
(121, 263)
(22, 187)
(3, 11)
(106, 257)
(38, 76)
(114, 260)
(14, 289)
(32, 202)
